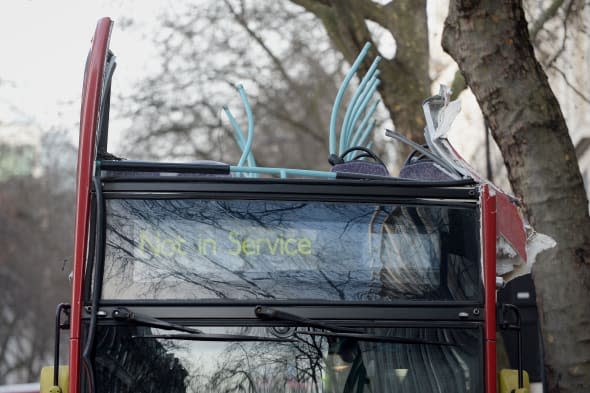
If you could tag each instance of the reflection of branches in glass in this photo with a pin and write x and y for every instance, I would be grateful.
(124, 364)
(266, 214)
(307, 364)
(422, 249)
(271, 367)
(161, 274)
(340, 282)
(237, 249)
(176, 218)
(425, 368)
(410, 251)
(406, 241)
(311, 357)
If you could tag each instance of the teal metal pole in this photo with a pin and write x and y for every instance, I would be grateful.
(340, 94)
(248, 145)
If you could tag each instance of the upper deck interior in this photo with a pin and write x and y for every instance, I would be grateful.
(432, 172)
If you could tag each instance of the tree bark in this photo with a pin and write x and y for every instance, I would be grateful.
(490, 42)
(405, 78)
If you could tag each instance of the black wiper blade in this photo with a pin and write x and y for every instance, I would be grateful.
(271, 314)
(214, 337)
(125, 315)
(377, 338)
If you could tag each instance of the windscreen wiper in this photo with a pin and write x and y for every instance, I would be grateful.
(123, 314)
(213, 337)
(377, 338)
(271, 314)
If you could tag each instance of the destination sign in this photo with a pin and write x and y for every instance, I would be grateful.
(288, 250)
(166, 245)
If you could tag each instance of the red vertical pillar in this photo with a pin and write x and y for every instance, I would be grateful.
(91, 95)
(488, 213)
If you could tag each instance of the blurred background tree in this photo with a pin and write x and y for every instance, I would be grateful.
(290, 72)
(36, 242)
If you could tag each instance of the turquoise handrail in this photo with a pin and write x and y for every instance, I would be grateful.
(359, 131)
(365, 100)
(346, 127)
(250, 137)
(340, 94)
(239, 136)
(283, 172)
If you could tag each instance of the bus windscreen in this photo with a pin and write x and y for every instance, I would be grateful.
(192, 249)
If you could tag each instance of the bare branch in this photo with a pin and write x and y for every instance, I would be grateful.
(562, 47)
(286, 117)
(275, 60)
(545, 16)
(314, 6)
(571, 85)
(379, 13)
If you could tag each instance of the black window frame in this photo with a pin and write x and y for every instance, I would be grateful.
(347, 191)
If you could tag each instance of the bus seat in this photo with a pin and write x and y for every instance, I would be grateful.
(424, 170)
(362, 167)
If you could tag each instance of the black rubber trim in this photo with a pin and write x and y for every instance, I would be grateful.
(167, 167)
(296, 189)
(224, 169)
(96, 280)
(333, 313)
(289, 303)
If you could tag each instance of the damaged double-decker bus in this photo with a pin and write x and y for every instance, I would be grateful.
(209, 277)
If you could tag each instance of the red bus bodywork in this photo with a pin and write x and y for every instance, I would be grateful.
(91, 94)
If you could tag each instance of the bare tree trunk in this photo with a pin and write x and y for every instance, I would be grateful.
(490, 42)
(405, 78)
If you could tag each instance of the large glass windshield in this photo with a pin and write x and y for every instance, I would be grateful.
(125, 362)
(249, 249)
